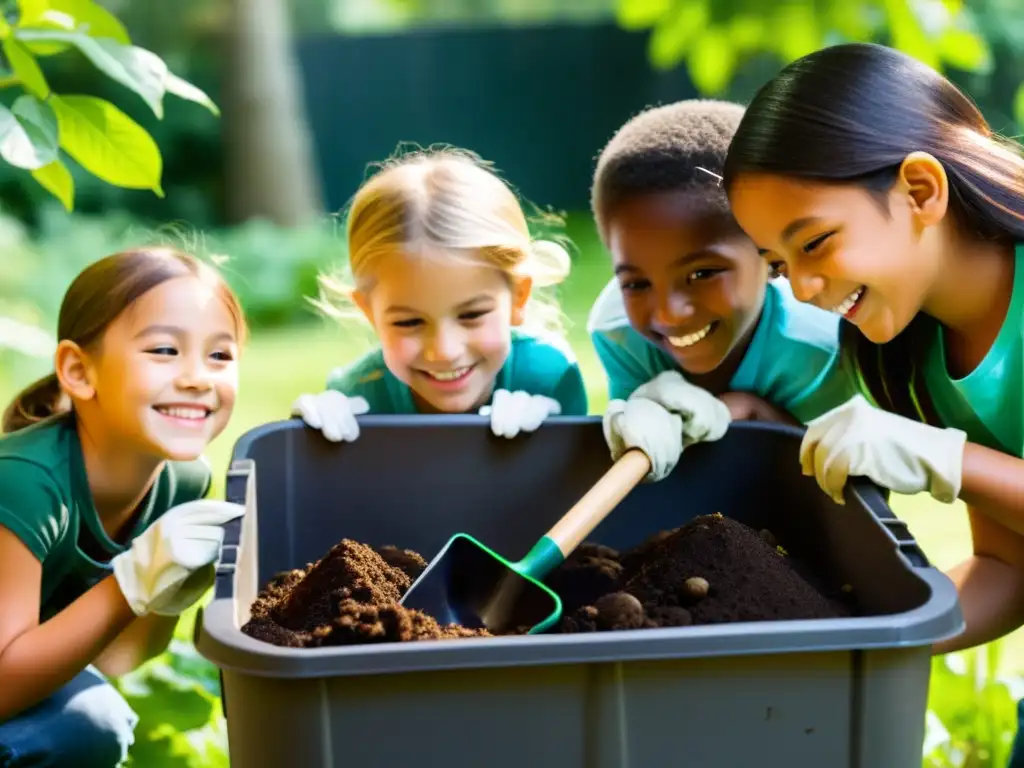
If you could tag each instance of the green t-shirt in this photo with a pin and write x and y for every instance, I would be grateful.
(535, 365)
(909, 376)
(46, 502)
(792, 359)
(988, 403)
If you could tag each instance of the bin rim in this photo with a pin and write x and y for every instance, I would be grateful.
(218, 638)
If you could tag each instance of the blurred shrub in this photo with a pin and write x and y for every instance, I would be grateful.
(273, 270)
(972, 713)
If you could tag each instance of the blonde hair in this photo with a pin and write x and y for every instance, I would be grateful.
(446, 203)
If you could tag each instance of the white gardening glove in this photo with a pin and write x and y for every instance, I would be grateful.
(642, 423)
(332, 413)
(705, 417)
(905, 456)
(171, 564)
(515, 412)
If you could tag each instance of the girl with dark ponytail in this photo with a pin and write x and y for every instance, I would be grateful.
(882, 193)
(105, 534)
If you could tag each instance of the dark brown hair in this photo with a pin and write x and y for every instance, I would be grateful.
(97, 297)
(669, 148)
(851, 114)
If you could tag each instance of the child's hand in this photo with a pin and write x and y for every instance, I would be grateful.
(642, 423)
(746, 406)
(704, 416)
(515, 412)
(170, 565)
(332, 413)
(895, 452)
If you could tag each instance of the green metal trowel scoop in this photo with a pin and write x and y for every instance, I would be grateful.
(471, 585)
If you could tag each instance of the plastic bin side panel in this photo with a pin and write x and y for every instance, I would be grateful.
(787, 709)
(784, 710)
(890, 706)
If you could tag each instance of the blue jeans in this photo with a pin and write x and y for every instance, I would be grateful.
(1017, 754)
(86, 724)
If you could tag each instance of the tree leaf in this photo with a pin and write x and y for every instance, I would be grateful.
(25, 68)
(183, 89)
(136, 68)
(907, 33)
(796, 31)
(640, 14)
(84, 16)
(1018, 104)
(108, 143)
(672, 36)
(965, 50)
(711, 61)
(28, 133)
(56, 179)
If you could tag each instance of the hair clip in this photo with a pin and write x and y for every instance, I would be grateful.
(717, 178)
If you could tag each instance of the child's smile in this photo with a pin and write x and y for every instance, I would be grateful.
(692, 283)
(444, 326)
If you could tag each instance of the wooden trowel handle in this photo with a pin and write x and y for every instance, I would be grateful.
(587, 513)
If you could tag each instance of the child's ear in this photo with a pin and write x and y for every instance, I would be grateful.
(362, 301)
(74, 371)
(520, 296)
(924, 181)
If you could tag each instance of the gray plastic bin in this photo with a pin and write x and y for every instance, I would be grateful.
(847, 693)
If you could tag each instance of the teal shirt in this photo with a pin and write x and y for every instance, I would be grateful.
(988, 403)
(792, 361)
(45, 501)
(538, 366)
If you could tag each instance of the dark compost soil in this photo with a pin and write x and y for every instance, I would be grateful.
(709, 571)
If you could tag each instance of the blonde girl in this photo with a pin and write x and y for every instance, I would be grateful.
(444, 269)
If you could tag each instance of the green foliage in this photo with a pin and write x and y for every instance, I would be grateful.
(972, 714)
(715, 38)
(272, 270)
(104, 140)
(177, 698)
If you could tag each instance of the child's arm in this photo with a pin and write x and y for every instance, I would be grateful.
(145, 638)
(990, 584)
(37, 659)
(994, 482)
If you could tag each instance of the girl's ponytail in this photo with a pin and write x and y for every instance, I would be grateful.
(38, 401)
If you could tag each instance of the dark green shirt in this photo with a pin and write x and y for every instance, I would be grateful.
(46, 502)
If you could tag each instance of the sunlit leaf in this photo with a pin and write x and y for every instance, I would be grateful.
(711, 61)
(907, 33)
(56, 179)
(136, 68)
(28, 133)
(640, 14)
(108, 143)
(25, 68)
(746, 32)
(796, 30)
(185, 90)
(852, 20)
(85, 16)
(676, 32)
(965, 50)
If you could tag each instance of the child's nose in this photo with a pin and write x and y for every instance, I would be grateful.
(673, 310)
(443, 346)
(194, 374)
(806, 284)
